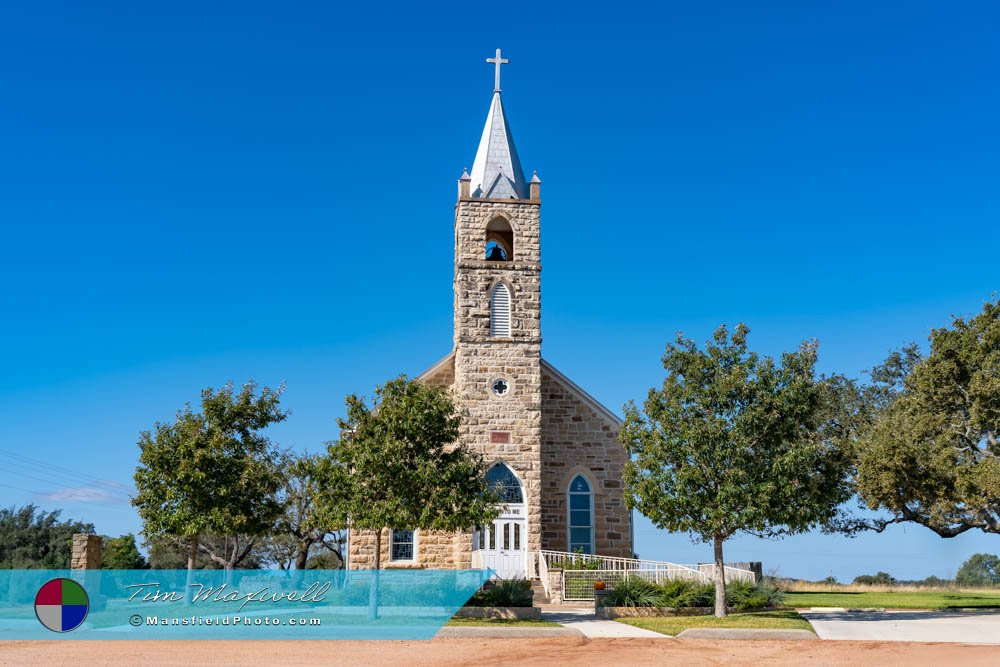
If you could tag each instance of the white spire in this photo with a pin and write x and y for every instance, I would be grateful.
(496, 172)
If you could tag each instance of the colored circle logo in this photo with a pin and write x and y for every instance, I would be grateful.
(61, 605)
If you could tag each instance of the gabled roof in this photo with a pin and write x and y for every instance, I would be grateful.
(444, 364)
(496, 172)
(577, 391)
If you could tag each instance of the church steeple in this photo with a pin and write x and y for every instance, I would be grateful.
(496, 172)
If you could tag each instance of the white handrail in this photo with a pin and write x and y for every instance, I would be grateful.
(616, 564)
(543, 574)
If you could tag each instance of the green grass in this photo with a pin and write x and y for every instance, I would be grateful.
(896, 599)
(771, 620)
(527, 622)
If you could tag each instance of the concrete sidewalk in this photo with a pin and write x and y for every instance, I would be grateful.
(589, 625)
(967, 627)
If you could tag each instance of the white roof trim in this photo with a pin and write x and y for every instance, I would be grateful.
(581, 394)
(438, 366)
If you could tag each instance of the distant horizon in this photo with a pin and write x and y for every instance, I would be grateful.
(193, 198)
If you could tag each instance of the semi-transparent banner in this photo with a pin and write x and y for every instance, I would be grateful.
(239, 604)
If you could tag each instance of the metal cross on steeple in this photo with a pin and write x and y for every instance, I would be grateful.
(497, 61)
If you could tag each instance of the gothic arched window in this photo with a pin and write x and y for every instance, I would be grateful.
(500, 310)
(503, 481)
(581, 515)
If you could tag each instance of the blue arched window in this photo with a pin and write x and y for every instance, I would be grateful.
(503, 481)
(581, 515)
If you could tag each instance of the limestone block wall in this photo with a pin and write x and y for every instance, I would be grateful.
(434, 550)
(480, 358)
(576, 438)
(86, 553)
(475, 277)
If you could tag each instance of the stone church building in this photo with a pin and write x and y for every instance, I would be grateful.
(551, 448)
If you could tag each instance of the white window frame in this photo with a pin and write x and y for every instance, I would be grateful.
(569, 510)
(392, 542)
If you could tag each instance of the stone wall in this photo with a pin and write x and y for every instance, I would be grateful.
(480, 358)
(434, 550)
(577, 438)
(86, 554)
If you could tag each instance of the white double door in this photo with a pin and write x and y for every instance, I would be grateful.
(502, 546)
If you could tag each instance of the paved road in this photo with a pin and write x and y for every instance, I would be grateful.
(908, 626)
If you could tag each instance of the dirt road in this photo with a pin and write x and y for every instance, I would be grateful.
(476, 652)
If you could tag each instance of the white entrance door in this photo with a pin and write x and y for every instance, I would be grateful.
(502, 546)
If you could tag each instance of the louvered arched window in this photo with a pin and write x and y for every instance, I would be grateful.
(500, 311)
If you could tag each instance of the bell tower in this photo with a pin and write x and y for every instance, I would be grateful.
(498, 310)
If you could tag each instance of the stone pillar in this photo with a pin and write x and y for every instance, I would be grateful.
(556, 585)
(86, 565)
(86, 552)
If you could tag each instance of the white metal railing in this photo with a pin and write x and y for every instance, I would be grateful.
(543, 574)
(578, 582)
(610, 563)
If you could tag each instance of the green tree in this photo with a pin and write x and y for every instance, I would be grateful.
(31, 538)
(212, 472)
(399, 464)
(930, 454)
(309, 520)
(121, 553)
(979, 570)
(171, 553)
(734, 442)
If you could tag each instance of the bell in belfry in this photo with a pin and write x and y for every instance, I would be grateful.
(495, 255)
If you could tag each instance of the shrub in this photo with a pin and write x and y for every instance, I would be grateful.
(633, 592)
(696, 595)
(685, 593)
(881, 578)
(506, 593)
(742, 596)
(580, 563)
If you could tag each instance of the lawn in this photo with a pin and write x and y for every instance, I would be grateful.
(942, 599)
(771, 620)
(487, 622)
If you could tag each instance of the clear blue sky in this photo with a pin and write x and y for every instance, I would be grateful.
(265, 191)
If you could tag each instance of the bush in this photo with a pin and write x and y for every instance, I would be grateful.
(634, 592)
(879, 578)
(685, 593)
(579, 564)
(678, 593)
(506, 593)
(742, 596)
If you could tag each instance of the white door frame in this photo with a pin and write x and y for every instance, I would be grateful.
(503, 545)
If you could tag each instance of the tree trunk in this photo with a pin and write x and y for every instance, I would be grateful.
(302, 556)
(373, 591)
(720, 579)
(192, 554)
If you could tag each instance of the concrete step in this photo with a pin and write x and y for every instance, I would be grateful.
(539, 591)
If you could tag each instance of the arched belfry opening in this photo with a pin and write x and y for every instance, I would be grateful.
(499, 241)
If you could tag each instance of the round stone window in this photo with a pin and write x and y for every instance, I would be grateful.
(500, 387)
